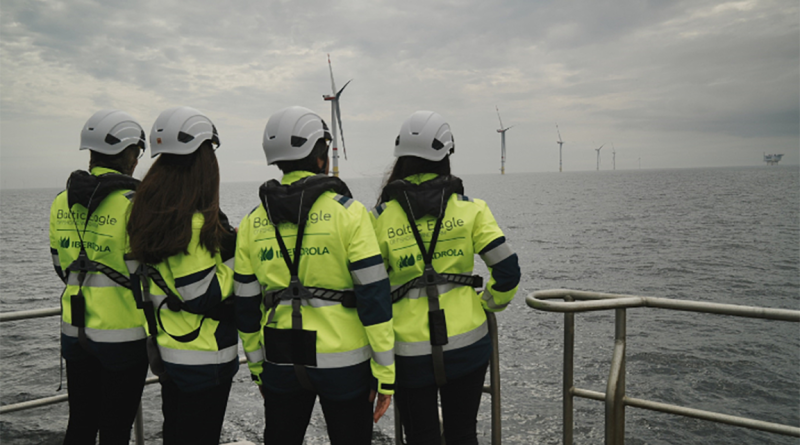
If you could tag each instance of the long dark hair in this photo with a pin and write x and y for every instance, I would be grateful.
(174, 189)
(406, 166)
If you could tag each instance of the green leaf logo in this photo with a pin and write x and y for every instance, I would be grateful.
(266, 254)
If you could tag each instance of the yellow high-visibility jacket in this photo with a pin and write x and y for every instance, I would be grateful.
(468, 229)
(339, 252)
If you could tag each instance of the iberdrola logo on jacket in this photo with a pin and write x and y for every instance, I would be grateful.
(266, 254)
(64, 243)
(405, 261)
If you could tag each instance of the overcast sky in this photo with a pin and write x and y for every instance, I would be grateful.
(674, 83)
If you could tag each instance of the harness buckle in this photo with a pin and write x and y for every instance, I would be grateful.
(431, 281)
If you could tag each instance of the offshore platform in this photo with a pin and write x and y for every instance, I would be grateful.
(772, 159)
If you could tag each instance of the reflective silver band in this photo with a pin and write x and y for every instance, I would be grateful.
(369, 275)
(198, 288)
(413, 349)
(251, 289)
(186, 357)
(489, 299)
(345, 201)
(230, 262)
(497, 254)
(376, 212)
(92, 280)
(106, 335)
(339, 359)
(385, 358)
(56, 263)
(256, 356)
(464, 198)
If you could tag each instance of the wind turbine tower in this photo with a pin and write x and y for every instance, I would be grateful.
(614, 155)
(560, 143)
(336, 117)
(598, 155)
(502, 132)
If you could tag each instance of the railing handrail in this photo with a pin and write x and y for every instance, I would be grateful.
(614, 397)
(493, 389)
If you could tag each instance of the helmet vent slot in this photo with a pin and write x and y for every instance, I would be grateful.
(297, 141)
(184, 137)
(436, 145)
(111, 140)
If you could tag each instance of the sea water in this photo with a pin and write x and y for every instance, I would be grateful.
(727, 235)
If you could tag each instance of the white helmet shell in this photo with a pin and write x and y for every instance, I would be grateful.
(110, 132)
(291, 134)
(181, 131)
(426, 135)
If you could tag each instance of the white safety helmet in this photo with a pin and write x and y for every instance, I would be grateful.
(180, 131)
(291, 134)
(110, 132)
(426, 135)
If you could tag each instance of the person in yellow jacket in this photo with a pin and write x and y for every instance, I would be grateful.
(429, 232)
(102, 330)
(312, 295)
(185, 246)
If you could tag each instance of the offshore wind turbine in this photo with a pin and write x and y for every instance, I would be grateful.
(560, 143)
(614, 156)
(502, 132)
(336, 117)
(598, 155)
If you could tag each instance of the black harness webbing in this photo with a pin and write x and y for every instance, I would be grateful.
(221, 311)
(280, 203)
(83, 188)
(439, 189)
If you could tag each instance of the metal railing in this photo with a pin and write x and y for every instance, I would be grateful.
(138, 424)
(614, 397)
(493, 389)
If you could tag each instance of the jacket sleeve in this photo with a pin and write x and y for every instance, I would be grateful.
(373, 297)
(249, 304)
(54, 244)
(501, 260)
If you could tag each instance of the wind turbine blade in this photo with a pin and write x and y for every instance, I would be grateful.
(330, 68)
(559, 133)
(339, 119)
(510, 127)
(345, 86)
(498, 117)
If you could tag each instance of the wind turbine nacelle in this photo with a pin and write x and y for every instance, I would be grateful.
(500, 131)
(328, 97)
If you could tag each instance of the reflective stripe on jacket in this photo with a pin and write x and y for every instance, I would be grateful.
(339, 252)
(468, 229)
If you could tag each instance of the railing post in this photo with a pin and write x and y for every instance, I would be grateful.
(494, 381)
(138, 427)
(615, 389)
(569, 372)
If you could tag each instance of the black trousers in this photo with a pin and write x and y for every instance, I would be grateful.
(349, 422)
(102, 400)
(193, 418)
(461, 398)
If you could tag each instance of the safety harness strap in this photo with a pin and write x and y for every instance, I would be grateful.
(475, 281)
(292, 203)
(430, 279)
